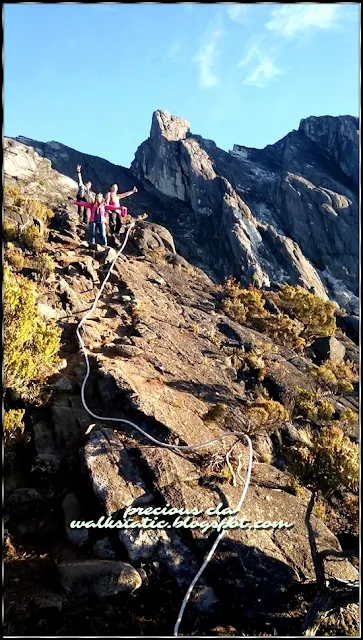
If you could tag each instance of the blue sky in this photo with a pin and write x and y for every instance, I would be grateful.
(90, 76)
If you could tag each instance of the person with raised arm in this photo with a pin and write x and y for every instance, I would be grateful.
(113, 197)
(84, 195)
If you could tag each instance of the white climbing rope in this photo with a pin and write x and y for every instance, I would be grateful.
(162, 444)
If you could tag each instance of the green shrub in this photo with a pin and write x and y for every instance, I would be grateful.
(247, 306)
(11, 193)
(214, 338)
(32, 238)
(329, 463)
(31, 345)
(13, 436)
(235, 310)
(266, 412)
(230, 288)
(10, 230)
(349, 417)
(30, 206)
(317, 315)
(45, 265)
(283, 329)
(14, 257)
(304, 316)
(310, 406)
(338, 377)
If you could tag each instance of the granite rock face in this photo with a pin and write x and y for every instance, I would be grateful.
(289, 210)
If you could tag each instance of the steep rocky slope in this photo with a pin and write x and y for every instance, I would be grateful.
(162, 354)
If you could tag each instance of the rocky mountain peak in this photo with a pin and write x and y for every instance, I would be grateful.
(170, 127)
(339, 136)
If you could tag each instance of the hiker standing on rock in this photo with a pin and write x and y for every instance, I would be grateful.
(113, 198)
(98, 217)
(84, 195)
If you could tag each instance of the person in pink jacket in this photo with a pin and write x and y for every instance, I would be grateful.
(98, 217)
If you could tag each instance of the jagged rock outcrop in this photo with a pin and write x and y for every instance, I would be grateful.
(340, 137)
(289, 210)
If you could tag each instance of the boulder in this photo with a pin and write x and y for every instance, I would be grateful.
(97, 578)
(63, 384)
(149, 236)
(328, 348)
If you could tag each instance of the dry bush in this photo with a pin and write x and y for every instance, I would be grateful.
(45, 265)
(158, 255)
(195, 328)
(214, 338)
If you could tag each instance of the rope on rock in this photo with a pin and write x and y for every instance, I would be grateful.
(162, 444)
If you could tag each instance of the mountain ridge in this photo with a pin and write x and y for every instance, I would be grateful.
(289, 210)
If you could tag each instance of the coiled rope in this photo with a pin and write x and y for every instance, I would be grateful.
(162, 444)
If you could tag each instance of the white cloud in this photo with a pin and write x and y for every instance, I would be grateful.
(174, 52)
(290, 20)
(262, 68)
(206, 57)
(238, 13)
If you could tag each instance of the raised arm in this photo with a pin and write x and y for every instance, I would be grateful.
(80, 182)
(108, 197)
(86, 205)
(127, 193)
